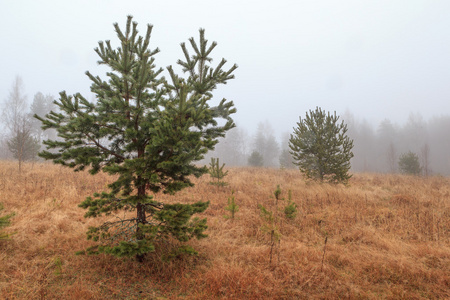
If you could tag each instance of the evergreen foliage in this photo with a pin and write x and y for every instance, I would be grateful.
(270, 227)
(216, 171)
(256, 159)
(321, 148)
(271, 222)
(290, 210)
(4, 221)
(147, 131)
(408, 163)
(232, 207)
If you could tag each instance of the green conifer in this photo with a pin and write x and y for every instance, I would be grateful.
(321, 148)
(408, 163)
(256, 159)
(215, 171)
(290, 210)
(147, 131)
(232, 207)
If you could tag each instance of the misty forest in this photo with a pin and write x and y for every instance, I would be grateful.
(377, 147)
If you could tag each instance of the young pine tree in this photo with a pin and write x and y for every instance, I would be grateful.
(147, 131)
(256, 159)
(408, 163)
(216, 171)
(321, 148)
(232, 207)
(290, 210)
(271, 224)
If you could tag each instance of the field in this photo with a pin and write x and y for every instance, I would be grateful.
(381, 237)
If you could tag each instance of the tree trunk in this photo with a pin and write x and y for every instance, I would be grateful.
(141, 219)
(140, 208)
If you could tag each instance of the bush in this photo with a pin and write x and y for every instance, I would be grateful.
(256, 159)
(408, 163)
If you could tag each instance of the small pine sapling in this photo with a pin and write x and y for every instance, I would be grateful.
(256, 159)
(4, 221)
(217, 172)
(408, 163)
(232, 207)
(277, 195)
(290, 211)
(271, 225)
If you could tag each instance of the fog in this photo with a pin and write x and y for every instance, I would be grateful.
(377, 147)
(383, 66)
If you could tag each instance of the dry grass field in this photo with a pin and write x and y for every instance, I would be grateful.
(388, 237)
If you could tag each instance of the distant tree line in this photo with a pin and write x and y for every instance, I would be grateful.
(380, 148)
(377, 148)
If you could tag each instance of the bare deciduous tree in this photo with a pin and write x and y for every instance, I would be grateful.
(22, 144)
(20, 141)
(14, 106)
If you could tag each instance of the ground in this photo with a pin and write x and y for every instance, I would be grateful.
(387, 237)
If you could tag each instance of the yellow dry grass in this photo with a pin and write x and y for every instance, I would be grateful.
(388, 237)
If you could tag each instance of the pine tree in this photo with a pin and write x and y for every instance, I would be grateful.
(271, 222)
(408, 163)
(232, 207)
(256, 159)
(215, 171)
(321, 148)
(146, 130)
(290, 210)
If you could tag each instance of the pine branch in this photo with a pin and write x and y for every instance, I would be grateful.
(110, 152)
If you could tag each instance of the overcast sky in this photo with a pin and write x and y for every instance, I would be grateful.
(377, 59)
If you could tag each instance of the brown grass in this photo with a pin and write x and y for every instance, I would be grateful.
(388, 238)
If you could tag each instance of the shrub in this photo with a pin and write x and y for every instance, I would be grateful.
(408, 163)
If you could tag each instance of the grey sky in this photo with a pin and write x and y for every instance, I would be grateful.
(378, 59)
